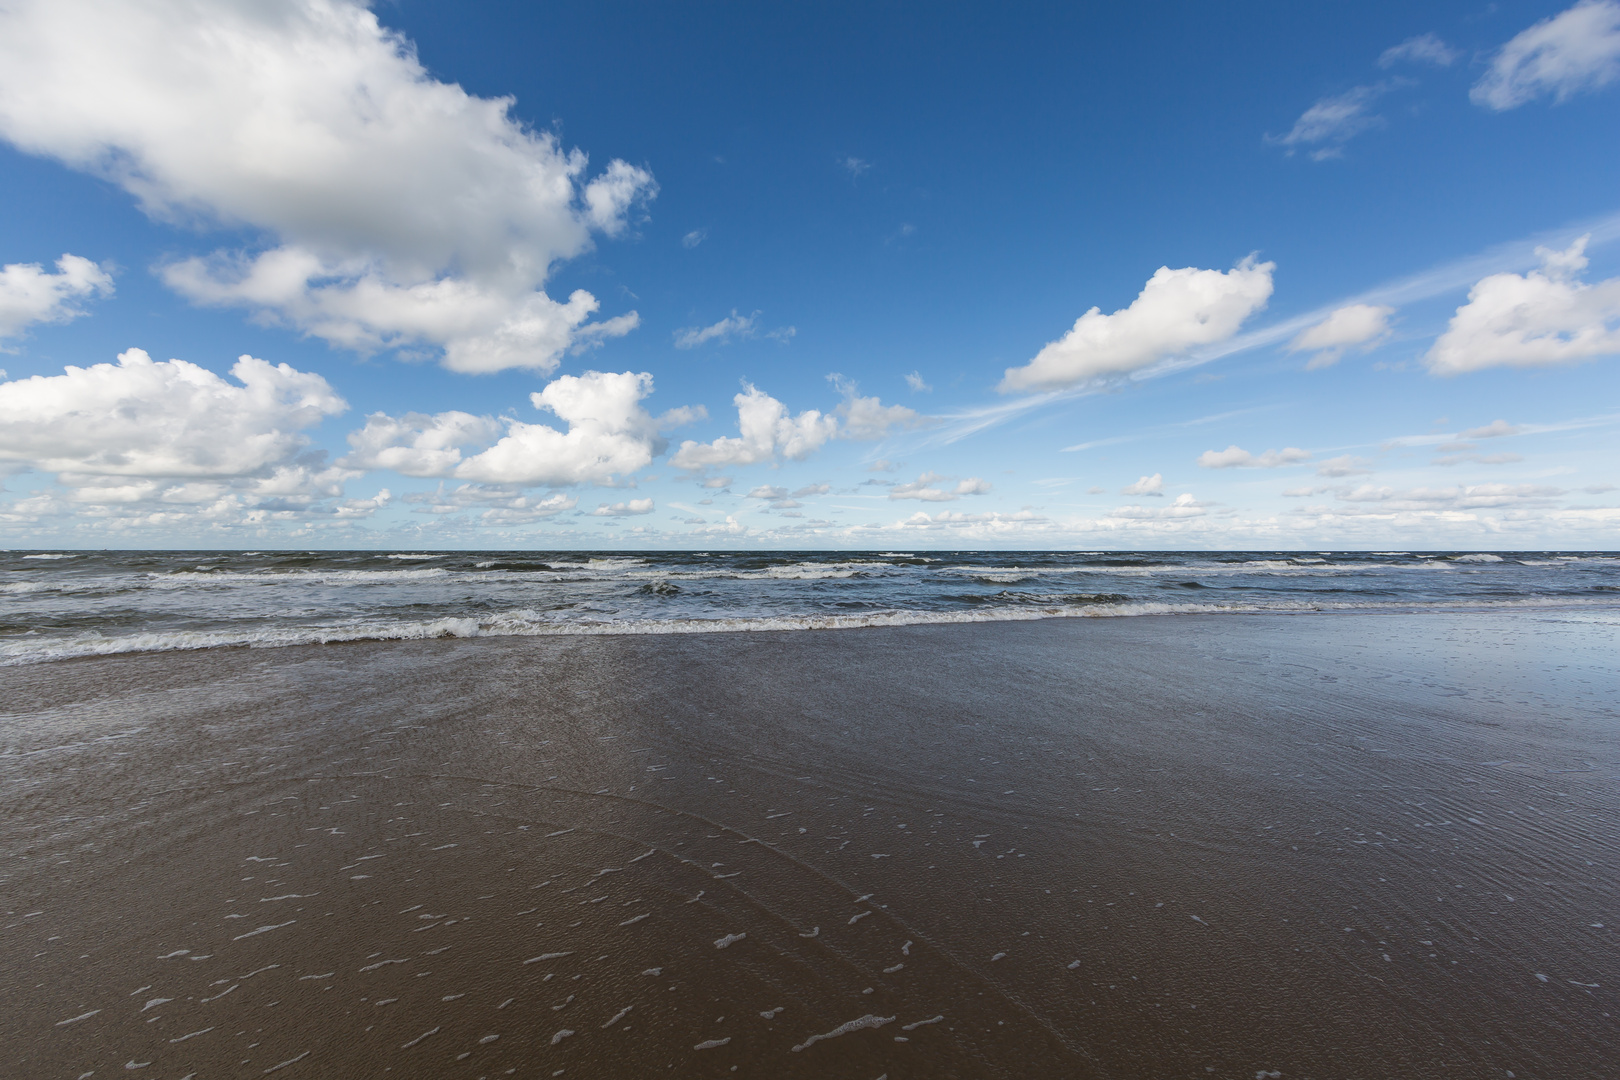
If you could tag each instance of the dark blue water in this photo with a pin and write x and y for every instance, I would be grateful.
(55, 605)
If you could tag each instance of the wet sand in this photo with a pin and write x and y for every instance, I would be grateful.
(1222, 847)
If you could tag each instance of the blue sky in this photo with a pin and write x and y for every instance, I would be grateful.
(638, 275)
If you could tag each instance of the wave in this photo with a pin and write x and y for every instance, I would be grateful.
(1013, 607)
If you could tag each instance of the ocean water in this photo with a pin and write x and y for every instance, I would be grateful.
(61, 604)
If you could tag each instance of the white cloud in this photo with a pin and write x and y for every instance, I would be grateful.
(1334, 121)
(960, 526)
(1235, 457)
(1496, 429)
(855, 165)
(732, 326)
(1344, 465)
(30, 294)
(147, 444)
(394, 209)
(417, 444)
(767, 432)
(1477, 459)
(500, 505)
(1425, 48)
(1459, 497)
(927, 488)
(694, 238)
(867, 418)
(1574, 51)
(1356, 324)
(917, 383)
(779, 498)
(1184, 506)
(609, 435)
(141, 418)
(1537, 319)
(1176, 310)
(812, 489)
(624, 509)
(1147, 485)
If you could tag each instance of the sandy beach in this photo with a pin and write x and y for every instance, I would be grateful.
(1211, 847)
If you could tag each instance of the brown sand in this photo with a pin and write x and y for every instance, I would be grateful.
(1341, 846)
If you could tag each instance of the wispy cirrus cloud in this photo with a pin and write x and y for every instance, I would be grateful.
(1576, 51)
(1323, 129)
(733, 327)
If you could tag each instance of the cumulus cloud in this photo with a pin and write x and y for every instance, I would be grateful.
(1358, 324)
(1344, 465)
(867, 418)
(390, 208)
(1235, 457)
(1477, 459)
(1334, 121)
(1425, 48)
(1496, 429)
(812, 489)
(31, 294)
(1147, 485)
(928, 488)
(143, 442)
(767, 432)
(855, 166)
(609, 435)
(624, 509)
(1458, 497)
(142, 418)
(778, 497)
(917, 383)
(1184, 506)
(498, 505)
(1176, 311)
(1577, 50)
(417, 444)
(1539, 319)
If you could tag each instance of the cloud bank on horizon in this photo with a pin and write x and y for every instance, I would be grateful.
(296, 180)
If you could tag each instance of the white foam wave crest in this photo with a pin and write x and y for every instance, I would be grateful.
(527, 623)
(787, 572)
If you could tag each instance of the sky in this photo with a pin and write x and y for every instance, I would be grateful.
(321, 274)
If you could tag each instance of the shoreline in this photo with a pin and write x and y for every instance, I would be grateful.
(1176, 819)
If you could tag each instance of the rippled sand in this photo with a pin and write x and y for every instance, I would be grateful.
(1194, 847)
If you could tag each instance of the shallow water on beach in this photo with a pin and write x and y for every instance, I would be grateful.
(1196, 847)
(61, 604)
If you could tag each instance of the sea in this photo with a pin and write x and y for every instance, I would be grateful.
(57, 605)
